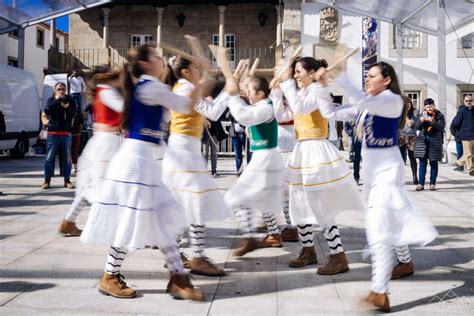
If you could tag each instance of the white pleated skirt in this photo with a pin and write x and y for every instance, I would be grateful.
(134, 208)
(186, 175)
(261, 185)
(391, 215)
(321, 184)
(93, 163)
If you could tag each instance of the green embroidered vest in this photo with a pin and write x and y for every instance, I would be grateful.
(264, 135)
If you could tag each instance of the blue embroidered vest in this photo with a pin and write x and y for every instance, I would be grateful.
(145, 120)
(380, 132)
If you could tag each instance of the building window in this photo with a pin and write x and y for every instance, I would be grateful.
(467, 41)
(12, 61)
(13, 34)
(414, 96)
(229, 40)
(56, 43)
(40, 37)
(138, 40)
(411, 39)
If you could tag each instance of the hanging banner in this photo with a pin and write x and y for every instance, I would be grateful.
(369, 44)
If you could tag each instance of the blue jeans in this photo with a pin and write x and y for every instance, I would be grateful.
(433, 171)
(238, 142)
(459, 150)
(53, 144)
(78, 98)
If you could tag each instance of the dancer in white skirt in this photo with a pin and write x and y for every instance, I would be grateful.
(286, 144)
(321, 185)
(184, 169)
(392, 220)
(260, 187)
(107, 104)
(135, 208)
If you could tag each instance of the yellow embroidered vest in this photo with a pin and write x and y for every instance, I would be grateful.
(310, 125)
(190, 124)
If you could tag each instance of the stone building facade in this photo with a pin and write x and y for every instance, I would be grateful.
(252, 28)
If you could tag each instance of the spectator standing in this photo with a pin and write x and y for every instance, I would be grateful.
(76, 136)
(213, 134)
(407, 137)
(60, 110)
(463, 122)
(77, 87)
(237, 133)
(355, 155)
(429, 143)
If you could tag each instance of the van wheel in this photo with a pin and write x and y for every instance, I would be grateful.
(21, 148)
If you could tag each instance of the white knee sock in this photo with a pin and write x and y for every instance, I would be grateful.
(334, 239)
(197, 235)
(271, 222)
(306, 235)
(76, 207)
(403, 254)
(115, 259)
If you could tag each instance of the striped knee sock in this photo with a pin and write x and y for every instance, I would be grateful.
(334, 239)
(173, 259)
(306, 235)
(245, 216)
(114, 260)
(76, 207)
(197, 234)
(286, 211)
(271, 222)
(403, 254)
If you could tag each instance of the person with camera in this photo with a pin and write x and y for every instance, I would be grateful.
(77, 87)
(429, 143)
(60, 110)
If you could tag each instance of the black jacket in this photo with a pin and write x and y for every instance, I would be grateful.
(60, 118)
(429, 143)
(462, 124)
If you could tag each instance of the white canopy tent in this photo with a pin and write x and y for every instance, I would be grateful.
(19, 14)
(436, 17)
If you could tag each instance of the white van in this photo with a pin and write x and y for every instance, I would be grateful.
(19, 110)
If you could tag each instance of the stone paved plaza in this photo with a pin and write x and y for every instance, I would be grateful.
(43, 273)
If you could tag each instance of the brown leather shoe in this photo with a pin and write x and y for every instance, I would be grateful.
(272, 241)
(68, 184)
(290, 234)
(203, 266)
(68, 228)
(46, 184)
(184, 259)
(180, 287)
(247, 245)
(378, 300)
(402, 270)
(115, 285)
(336, 264)
(307, 256)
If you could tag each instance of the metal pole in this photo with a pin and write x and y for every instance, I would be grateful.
(21, 48)
(441, 58)
(399, 45)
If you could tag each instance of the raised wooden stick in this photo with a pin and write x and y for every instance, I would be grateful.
(238, 68)
(254, 67)
(287, 65)
(179, 52)
(343, 58)
(220, 54)
(198, 51)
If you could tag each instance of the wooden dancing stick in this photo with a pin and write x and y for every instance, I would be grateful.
(220, 55)
(287, 65)
(195, 46)
(239, 66)
(179, 52)
(254, 67)
(245, 71)
(343, 59)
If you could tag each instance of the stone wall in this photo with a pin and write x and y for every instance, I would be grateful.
(201, 21)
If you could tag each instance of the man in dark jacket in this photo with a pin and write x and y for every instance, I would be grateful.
(60, 110)
(429, 143)
(463, 123)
